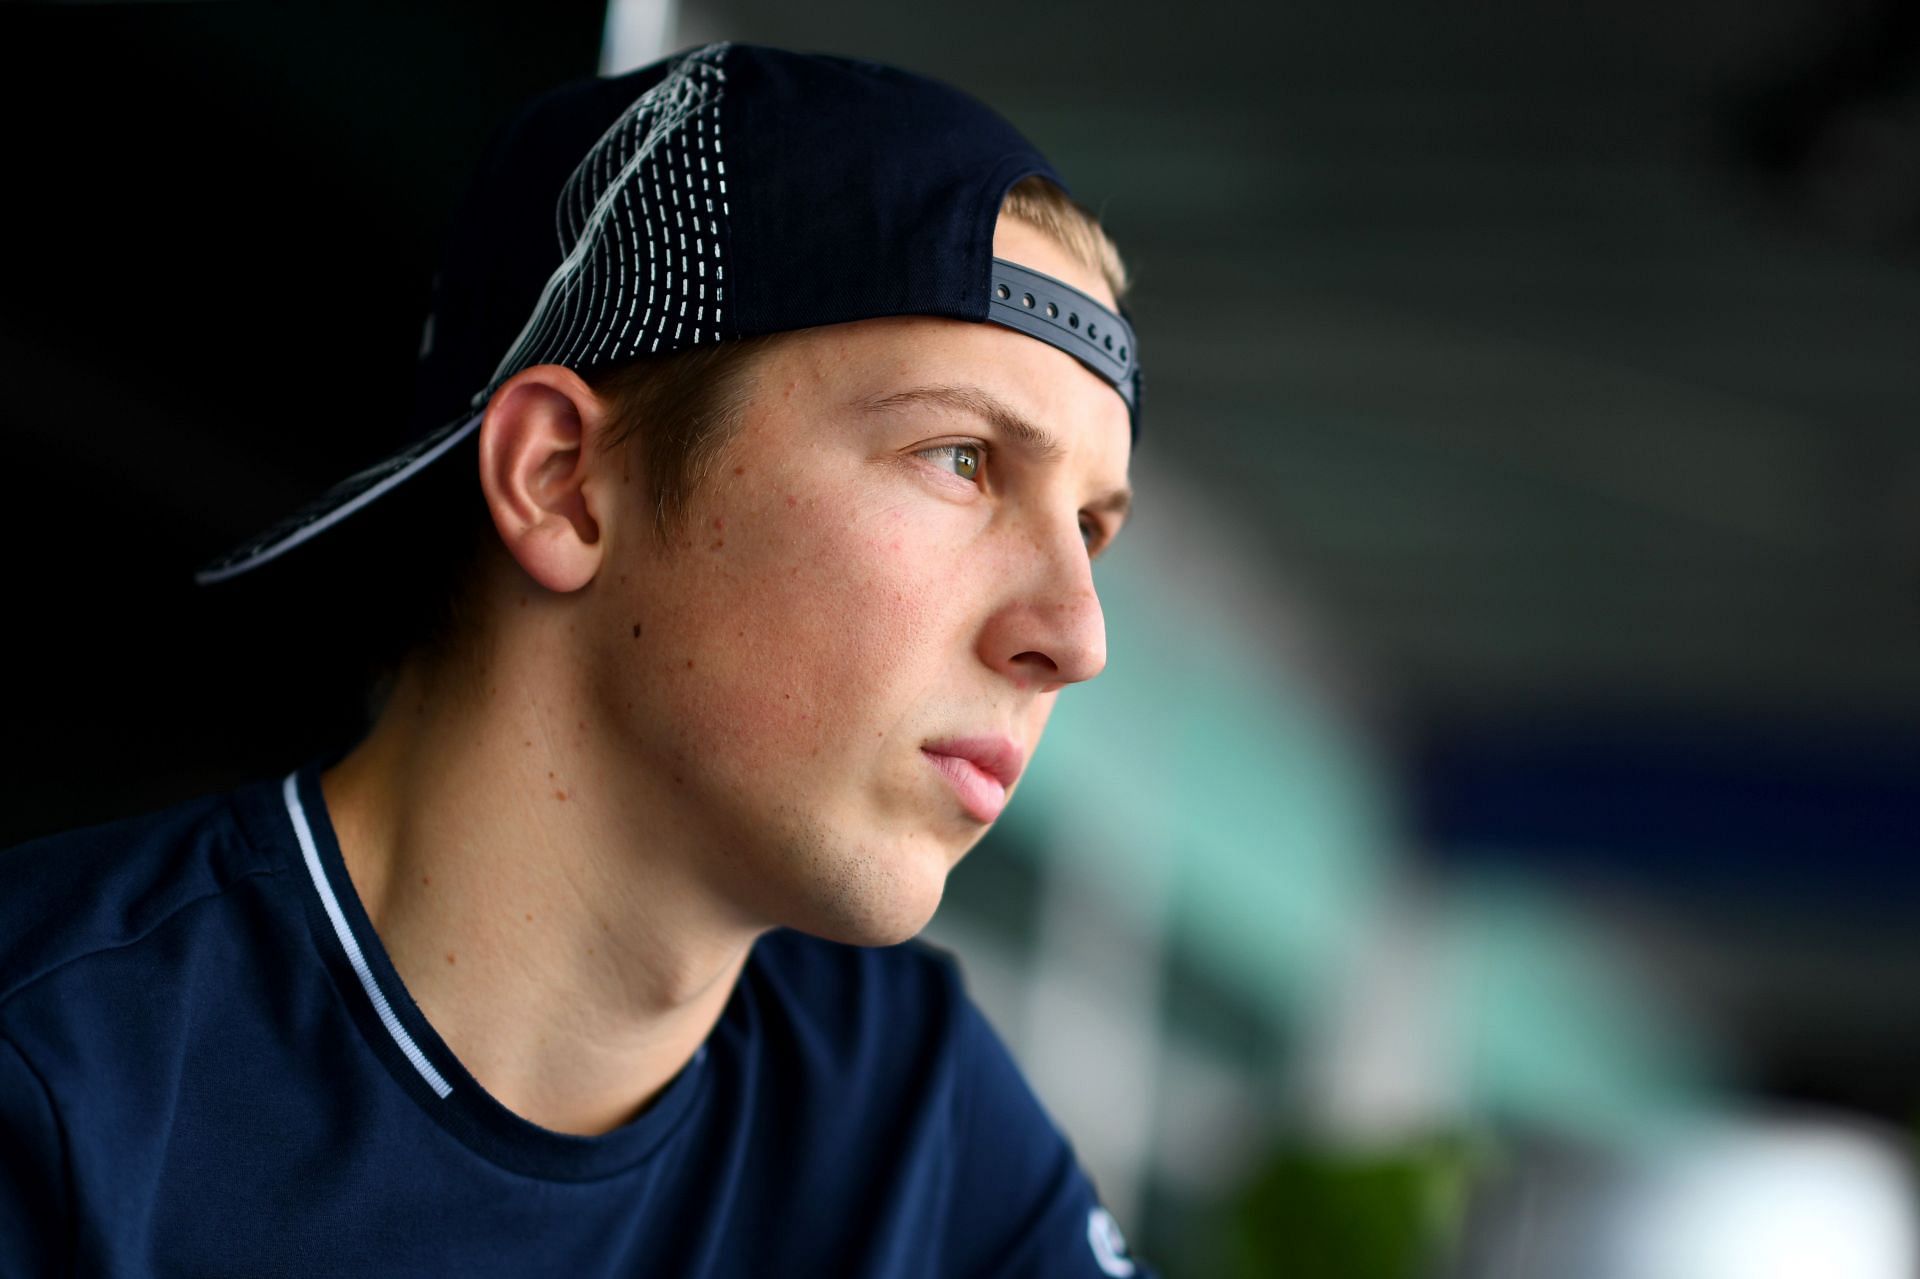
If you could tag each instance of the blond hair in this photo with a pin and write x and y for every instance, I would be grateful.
(1046, 208)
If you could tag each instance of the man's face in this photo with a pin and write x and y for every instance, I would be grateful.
(876, 565)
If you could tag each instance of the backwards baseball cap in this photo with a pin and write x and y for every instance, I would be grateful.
(723, 193)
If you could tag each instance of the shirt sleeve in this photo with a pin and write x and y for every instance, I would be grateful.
(33, 1209)
(1022, 1206)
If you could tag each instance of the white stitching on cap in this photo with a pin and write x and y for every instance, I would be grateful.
(699, 245)
(607, 329)
(581, 319)
(633, 304)
(567, 318)
(592, 320)
(653, 262)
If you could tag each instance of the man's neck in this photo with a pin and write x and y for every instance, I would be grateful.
(573, 972)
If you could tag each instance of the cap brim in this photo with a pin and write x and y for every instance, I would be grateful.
(355, 493)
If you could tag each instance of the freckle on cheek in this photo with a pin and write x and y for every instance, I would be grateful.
(636, 630)
(560, 795)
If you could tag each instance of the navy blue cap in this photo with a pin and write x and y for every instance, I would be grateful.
(727, 192)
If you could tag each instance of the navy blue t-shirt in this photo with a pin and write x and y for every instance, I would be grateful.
(208, 1066)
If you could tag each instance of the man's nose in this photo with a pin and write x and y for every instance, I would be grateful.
(1048, 630)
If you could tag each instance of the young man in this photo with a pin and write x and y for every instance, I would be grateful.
(794, 448)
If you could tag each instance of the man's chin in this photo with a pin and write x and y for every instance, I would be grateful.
(876, 910)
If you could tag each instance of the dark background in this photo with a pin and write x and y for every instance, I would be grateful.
(224, 221)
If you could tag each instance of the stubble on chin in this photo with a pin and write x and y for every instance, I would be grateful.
(855, 892)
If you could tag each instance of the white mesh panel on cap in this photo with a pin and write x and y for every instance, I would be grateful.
(586, 311)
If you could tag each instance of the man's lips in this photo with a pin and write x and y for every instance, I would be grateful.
(980, 769)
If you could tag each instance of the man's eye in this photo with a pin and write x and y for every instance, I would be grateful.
(964, 459)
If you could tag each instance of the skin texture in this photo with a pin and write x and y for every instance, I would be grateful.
(569, 837)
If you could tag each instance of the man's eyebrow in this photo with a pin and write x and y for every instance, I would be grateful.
(1030, 436)
(1115, 503)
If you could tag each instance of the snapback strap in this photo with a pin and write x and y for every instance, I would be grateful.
(1062, 316)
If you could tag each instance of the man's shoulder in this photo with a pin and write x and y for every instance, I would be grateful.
(886, 1058)
(94, 889)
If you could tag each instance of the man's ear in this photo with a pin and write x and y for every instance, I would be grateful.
(534, 469)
